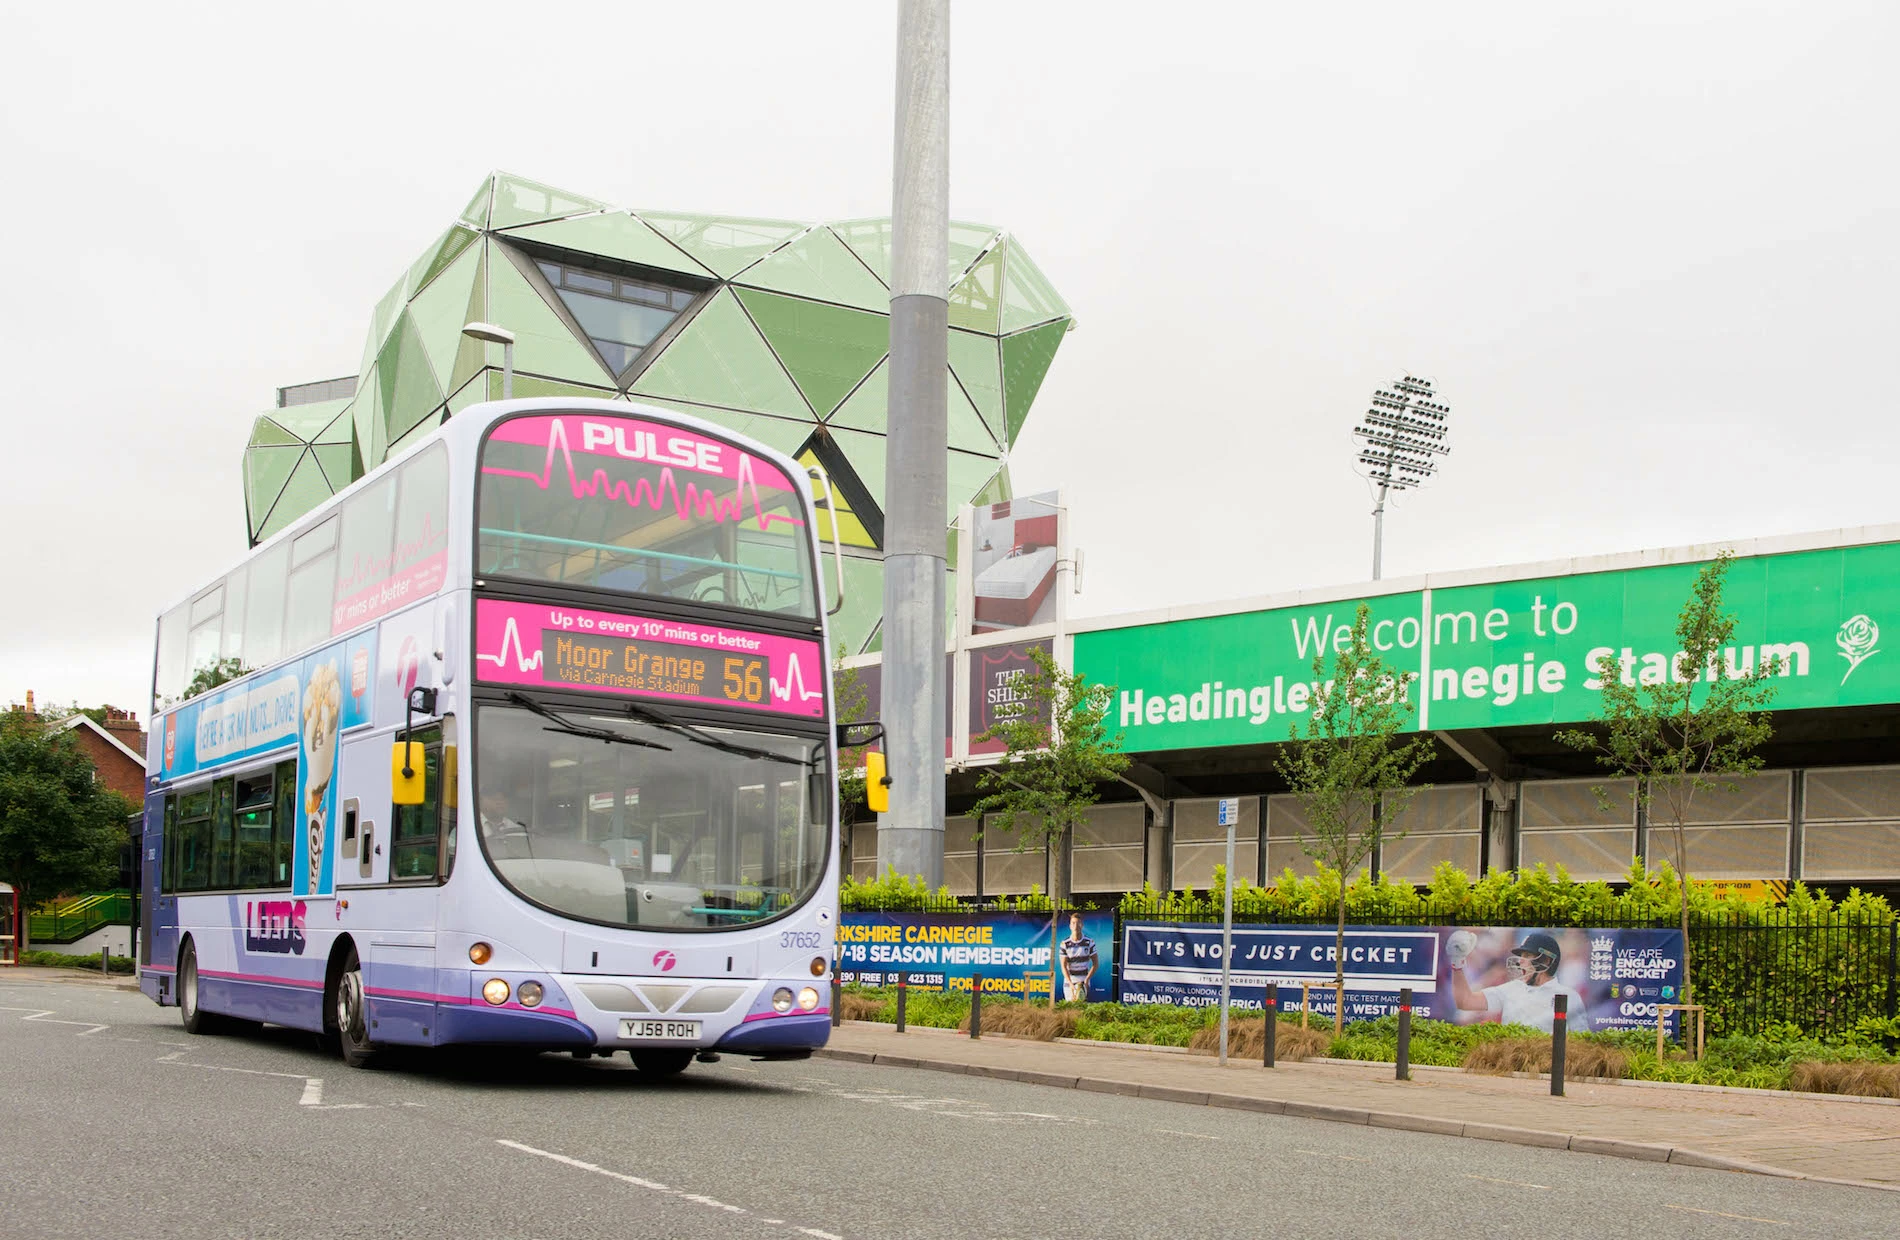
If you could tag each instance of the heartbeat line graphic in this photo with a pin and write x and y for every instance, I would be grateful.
(794, 678)
(511, 636)
(643, 492)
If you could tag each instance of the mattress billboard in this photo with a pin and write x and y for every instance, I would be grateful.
(1014, 549)
(1508, 653)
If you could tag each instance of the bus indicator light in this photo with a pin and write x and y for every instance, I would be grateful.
(479, 953)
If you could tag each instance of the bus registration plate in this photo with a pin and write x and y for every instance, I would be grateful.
(660, 1030)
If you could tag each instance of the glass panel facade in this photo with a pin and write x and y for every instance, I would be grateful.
(727, 244)
(828, 349)
(718, 359)
(819, 266)
(977, 364)
(1028, 297)
(1026, 359)
(976, 303)
(616, 235)
(621, 315)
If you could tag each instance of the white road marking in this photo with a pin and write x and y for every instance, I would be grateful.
(45, 1015)
(312, 1092)
(1491, 1179)
(1341, 1157)
(1176, 1132)
(699, 1199)
(948, 1108)
(1747, 1218)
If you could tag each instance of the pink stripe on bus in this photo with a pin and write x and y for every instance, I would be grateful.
(261, 979)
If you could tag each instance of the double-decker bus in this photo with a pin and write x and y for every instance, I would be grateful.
(525, 738)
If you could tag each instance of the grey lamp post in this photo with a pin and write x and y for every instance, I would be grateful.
(490, 334)
(1400, 440)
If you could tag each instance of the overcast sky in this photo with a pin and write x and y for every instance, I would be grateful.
(1647, 255)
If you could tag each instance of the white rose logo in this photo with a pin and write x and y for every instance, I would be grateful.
(1859, 640)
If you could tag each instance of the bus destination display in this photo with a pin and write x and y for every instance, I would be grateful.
(642, 666)
(640, 656)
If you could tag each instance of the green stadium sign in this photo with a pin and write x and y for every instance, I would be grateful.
(1507, 653)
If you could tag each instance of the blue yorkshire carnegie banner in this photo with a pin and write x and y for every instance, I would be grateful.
(1613, 979)
(947, 951)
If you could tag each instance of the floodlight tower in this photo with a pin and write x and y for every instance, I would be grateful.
(1401, 437)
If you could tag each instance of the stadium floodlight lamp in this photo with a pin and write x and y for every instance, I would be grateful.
(1400, 439)
(490, 334)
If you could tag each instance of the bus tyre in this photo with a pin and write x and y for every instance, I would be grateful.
(347, 1010)
(197, 1020)
(661, 1063)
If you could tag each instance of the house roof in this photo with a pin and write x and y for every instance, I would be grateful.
(85, 721)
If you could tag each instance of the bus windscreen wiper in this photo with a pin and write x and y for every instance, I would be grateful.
(658, 717)
(569, 728)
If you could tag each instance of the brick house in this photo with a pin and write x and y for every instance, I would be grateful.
(117, 750)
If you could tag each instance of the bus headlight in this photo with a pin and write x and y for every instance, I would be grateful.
(529, 993)
(495, 991)
(478, 953)
(808, 999)
(781, 1001)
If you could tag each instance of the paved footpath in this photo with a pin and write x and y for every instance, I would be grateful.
(1796, 1135)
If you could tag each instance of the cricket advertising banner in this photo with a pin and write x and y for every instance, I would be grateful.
(1614, 979)
(1508, 653)
(946, 952)
(309, 704)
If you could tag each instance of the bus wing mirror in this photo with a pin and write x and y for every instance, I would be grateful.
(405, 773)
(877, 784)
(858, 735)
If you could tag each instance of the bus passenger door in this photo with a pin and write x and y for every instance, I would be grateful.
(158, 905)
(363, 813)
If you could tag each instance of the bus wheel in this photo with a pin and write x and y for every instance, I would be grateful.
(352, 1027)
(197, 1020)
(661, 1063)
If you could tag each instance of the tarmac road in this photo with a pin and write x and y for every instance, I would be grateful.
(114, 1122)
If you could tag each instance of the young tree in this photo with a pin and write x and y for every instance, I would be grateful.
(854, 706)
(59, 830)
(1349, 768)
(1057, 753)
(1691, 731)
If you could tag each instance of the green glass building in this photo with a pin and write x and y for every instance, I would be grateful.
(778, 329)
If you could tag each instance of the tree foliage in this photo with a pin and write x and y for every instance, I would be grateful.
(60, 830)
(1687, 733)
(1348, 766)
(213, 674)
(853, 703)
(1057, 754)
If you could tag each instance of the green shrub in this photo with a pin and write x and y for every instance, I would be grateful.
(62, 960)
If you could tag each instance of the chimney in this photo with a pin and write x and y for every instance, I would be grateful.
(29, 703)
(124, 727)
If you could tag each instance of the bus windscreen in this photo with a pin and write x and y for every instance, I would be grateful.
(639, 507)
